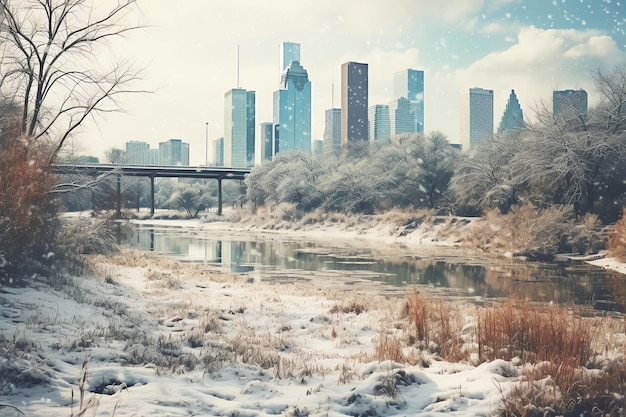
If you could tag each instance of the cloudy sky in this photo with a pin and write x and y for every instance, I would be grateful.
(189, 51)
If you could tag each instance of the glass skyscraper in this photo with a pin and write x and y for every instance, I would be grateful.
(174, 152)
(290, 51)
(379, 122)
(401, 116)
(218, 152)
(569, 104)
(476, 117)
(239, 128)
(354, 102)
(332, 130)
(409, 84)
(266, 141)
(292, 110)
(513, 117)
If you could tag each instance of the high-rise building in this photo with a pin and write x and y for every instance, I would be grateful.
(401, 116)
(239, 128)
(409, 84)
(513, 117)
(569, 104)
(137, 153)
(266, 141)
(174, 152)
(218, 152)
(379, 123)
(292, 110)
(318, 146)
(354, 102)
(332, 130)
(290, 51)
(476, 116)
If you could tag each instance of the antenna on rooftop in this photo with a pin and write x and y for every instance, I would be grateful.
(332, 89)
(238, 86)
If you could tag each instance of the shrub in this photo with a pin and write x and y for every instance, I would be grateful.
(28, 213)
(617, 239)
(537, 232)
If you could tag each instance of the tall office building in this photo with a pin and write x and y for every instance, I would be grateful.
(137, 153)
(174, 152)
(409, 84)
(292, 110)
(218, 152)
(401, 116)
(569, 104)
(513, 117)
(379, 123)
(140, 153)
(239, 128)
(266, 141)
(318, 146)
(476, 117)
(289, 52)
(332, 130)
(354, 102)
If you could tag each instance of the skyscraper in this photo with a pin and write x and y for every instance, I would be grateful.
(332, 130)
(379, 123)
(476, 116)
(137, 152)
(292, 110)
(266, 142)
(354, 102)
(239, 128)
(401, 117)
(513, 117)
(140, 153)
(569, 104)
(218, 152)
(409, 84)
(174, 152)
(290, 51)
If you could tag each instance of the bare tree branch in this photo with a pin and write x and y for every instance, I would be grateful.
(49, 51)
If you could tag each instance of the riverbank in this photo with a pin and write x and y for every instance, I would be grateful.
(142, 334)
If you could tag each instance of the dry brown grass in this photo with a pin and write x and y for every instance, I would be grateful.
(389, 347)
(350, 306)
(617, 239)
(569, 361)
(28, 224)
(534, 334)
(433, 324)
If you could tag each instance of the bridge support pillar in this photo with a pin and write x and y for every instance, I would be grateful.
(219, 196)
(151, 196)
(118, 212)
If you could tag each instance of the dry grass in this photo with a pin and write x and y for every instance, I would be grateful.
(569, 362)
(389, 347)
(617, 239)
(433, 324)
(532, 334)
(350, 306)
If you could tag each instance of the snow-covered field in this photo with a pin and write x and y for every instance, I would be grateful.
(157, 337)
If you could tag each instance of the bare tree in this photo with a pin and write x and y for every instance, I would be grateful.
(54, 63)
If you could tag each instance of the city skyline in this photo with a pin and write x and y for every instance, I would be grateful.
(534, 47)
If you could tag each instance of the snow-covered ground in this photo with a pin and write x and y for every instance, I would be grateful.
(158, 337)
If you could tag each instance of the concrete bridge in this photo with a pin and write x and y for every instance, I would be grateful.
(152, 172)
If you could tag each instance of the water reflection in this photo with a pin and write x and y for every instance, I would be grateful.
(279, 261)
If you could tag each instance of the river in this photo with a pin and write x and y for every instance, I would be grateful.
(281, 259)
